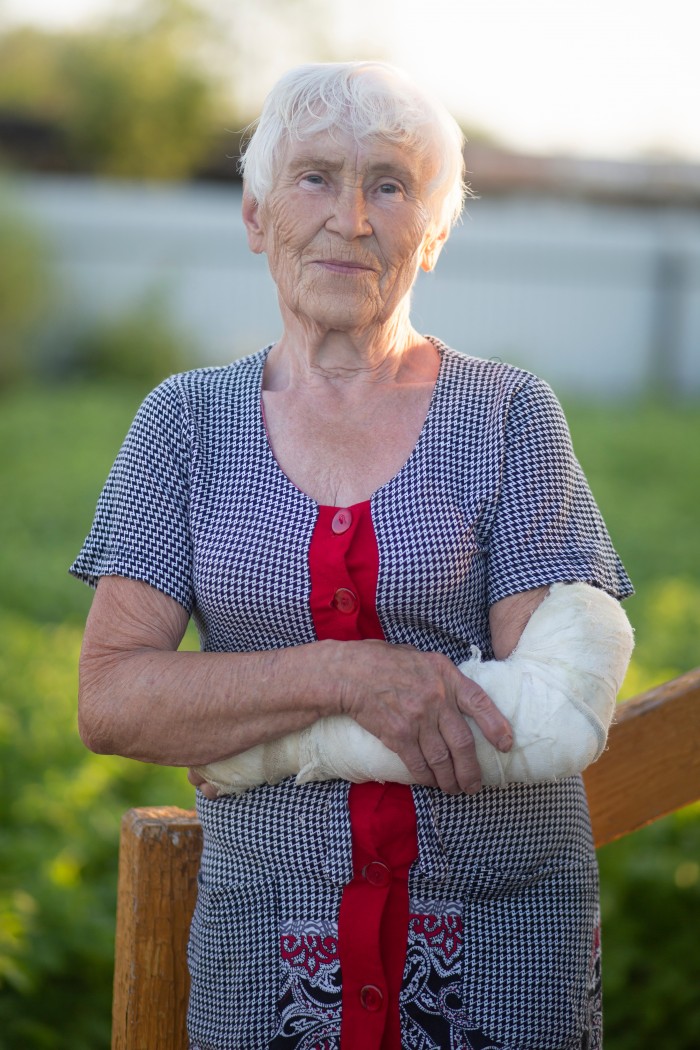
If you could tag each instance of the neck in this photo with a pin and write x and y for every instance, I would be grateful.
(308, 354)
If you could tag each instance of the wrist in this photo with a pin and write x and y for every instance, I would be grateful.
(330, 688)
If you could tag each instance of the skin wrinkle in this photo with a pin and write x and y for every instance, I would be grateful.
(126, 686)
(346, 392)
(345, 328)
(344, 218)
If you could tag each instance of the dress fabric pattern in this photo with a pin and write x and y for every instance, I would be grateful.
(491, 502)
(373, 919)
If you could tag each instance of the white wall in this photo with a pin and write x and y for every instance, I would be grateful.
(599, 299)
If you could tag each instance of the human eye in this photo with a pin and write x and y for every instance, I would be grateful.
(313, 178)
(389, 187)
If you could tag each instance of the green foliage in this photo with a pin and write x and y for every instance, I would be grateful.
(61, 806)
(30, 73)
(60, 445)
(128, 98)
(133, 110)
(650, 902)
(642, 462)
(61, 823)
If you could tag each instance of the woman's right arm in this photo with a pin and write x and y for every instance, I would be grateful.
(141, 698)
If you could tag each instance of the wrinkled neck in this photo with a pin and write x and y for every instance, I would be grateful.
(308, 353)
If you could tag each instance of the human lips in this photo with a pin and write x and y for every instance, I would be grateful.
(345, 266)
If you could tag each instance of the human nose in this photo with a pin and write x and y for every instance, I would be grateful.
(349, 217)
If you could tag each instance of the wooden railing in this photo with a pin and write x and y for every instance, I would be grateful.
(650, 768)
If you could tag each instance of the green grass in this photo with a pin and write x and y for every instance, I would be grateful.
(61, 806)
(643, 464)
(58, 447)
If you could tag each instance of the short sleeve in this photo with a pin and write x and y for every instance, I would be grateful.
(141, 525)
(547, 527)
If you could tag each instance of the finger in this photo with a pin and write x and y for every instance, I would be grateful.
(413, 758)
(439, 758)
(473, 701)
(198, 781)
(460, 739)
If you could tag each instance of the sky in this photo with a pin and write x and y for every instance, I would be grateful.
(608, 78)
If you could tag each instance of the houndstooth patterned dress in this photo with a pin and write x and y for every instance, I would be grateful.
(503, 947)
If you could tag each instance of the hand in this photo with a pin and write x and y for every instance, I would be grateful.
(415, 703)
(198, 781)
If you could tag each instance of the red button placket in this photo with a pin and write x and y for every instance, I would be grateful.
(365, 995)
(334, 598)
(373, 919)
(374, 915)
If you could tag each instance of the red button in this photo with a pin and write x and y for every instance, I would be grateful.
(345, 601)
(371, 997)
(342, 520)
(377, 873)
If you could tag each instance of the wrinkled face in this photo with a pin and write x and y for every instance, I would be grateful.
(345, 229)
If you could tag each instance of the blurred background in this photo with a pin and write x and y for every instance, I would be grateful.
(122, 259)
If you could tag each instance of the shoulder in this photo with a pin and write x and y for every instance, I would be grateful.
(494, 386)
(216, 381)
(185, 407)
(487, 374)
(190, 396)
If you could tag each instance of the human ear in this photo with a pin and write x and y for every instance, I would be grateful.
(431, 249)
(253, 222)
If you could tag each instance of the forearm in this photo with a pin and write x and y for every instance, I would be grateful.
(557, 689)
(142, 698)
(187, 708)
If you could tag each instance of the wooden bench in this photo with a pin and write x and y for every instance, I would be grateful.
(650, 768)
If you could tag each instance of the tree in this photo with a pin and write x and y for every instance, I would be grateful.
(130, 98)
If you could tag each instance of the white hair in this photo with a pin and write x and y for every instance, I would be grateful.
(367, 100)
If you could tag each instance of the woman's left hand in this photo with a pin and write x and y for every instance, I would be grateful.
(415, 702)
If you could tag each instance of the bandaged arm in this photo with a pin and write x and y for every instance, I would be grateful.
(557, 689)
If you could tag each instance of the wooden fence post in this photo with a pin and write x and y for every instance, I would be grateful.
(158, 862)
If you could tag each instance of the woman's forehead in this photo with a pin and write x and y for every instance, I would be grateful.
(340, 151)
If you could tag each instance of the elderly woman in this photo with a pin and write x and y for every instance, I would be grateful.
(348, 515)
